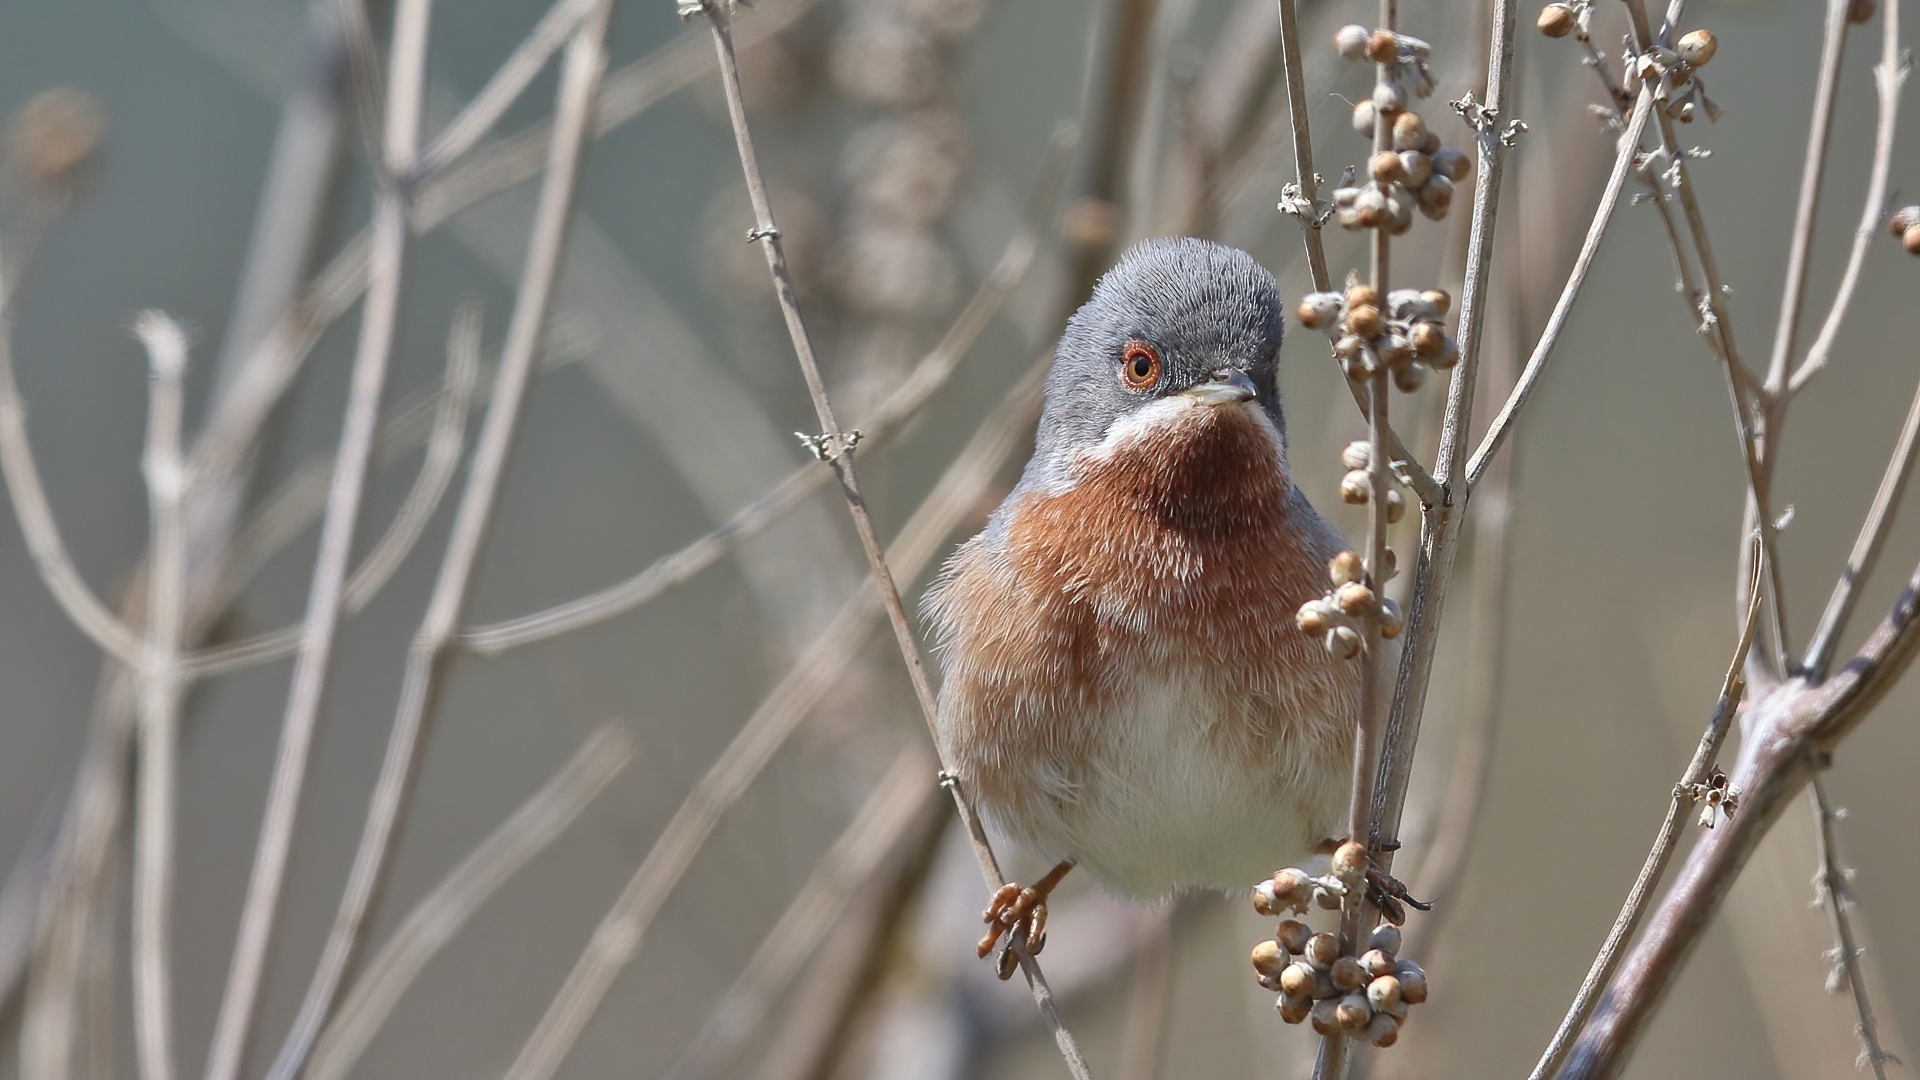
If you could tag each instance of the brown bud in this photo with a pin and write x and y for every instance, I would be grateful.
(1356, 487)
(1377, 964)
(1347, 974)
(1355, 599)
(1265, 902)
(1860, 11)
(1395, 350)
(1364, 321)
(1396, 502)
(1357, 455)
(1452, 163)
(1322, 950)
(1384, 992)
(1311, 619)
(55, 134)
(1911, 240)
(1370, 210)
(1348, 347)
(1350, 41)
(1556, 20)
(1427, 337)
(1415, 167)
(1350, 858)
(1392, 622)
(1363, 115)
(1293, 935)
(1409, 378)
(1903, 219)
(1325, 1016)
(1413, 981)
(1318, 311)
(1432, 145)
(1409, 131)
(1385, 938)
(1382, 46)
(1296, 980)
(1346, 567)
(1382, 1031)
(1389, 97)
(1448, 355)
(1269, 959)
(1697, 47)
(1327, 898)
(1293, 1009)
(1438, 299)
(1353, 1012)
(1361, 296)
(1386, 166)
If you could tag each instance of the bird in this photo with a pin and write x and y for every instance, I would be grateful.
(1123, 686)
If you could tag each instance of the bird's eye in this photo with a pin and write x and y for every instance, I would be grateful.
(1140, 366)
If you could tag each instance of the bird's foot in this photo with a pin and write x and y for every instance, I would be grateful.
(1389, 894)
(1019, 914)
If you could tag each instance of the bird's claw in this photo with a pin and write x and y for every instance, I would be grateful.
(1389, 894)
(1014, 912)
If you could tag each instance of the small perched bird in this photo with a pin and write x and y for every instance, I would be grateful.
(1125, 689)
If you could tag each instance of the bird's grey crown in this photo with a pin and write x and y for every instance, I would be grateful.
(1201, 305)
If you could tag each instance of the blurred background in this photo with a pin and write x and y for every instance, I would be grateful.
(910, 146)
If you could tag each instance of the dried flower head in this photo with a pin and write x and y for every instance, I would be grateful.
(1556, 20)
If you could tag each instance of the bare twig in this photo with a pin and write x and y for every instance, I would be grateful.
(1685, 793)
(1149, 1004)
(505, 87)
(1831, 889)
(835, 446)
(623, 929)
(160, 689)
(442, 912)
(379, 328)
(425, 673)
(902, 797)
(1305, 178)
(1889, 75)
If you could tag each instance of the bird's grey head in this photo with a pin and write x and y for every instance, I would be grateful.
(1174, 316)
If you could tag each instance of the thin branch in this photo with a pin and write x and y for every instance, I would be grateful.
(902, 797)
(1307, 180)
(835, 446)
(509, 81)
(1732, 688)
(443, 911)
(892, 415)
(426, 668)
(1889, 75)
(818, 672)
(379, 327)
(160, 689)
(1830, 881)
(1866, 546)
(1143, 1042)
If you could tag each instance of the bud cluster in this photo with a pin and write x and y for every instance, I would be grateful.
(1363, 997)
(1672, 75)
(1417, 172)
(1407, 334)
(1338, 616)
(1905, 226)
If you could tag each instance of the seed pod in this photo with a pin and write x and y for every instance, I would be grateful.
(1325, 1016)
(1345, 567)
(1413, 981)
(1364, 321)
(1448, 355)
(1681, 111)
(1409, 131)
(1903, 219)
(1440, 300)
(1293, 1010)
(1400, 203)
(1265, 901)
(1353, 1012)
(1350, 41)
(1911, 240)
(1293, 935)
(1311, 618)
(1556, 20)
(1386, 167)
(1344, 196)
(1296, 980)
(1290, 889)
(1356, 600)
(1697, 47)
(1396, 502)
(1382, 46)
(1860, 11)
(1426, 337)
(1356, 487)
(1409, 378)
(1343, 643)
(1397, 1010)
(1392, 622)
(1393, 564)
(1432, 145)
(1452, 164)
(1436, 196)
(1347, 974)
(1348, 217)
(1322, 950)
(1369, 209)
(1357, 455)
(1382, 1031)
(1269, 959)
(1361, 296)
(1386, 939)
(1389, 97)
(1416, 166)
(1363, 115)
(1395, 350)
(1350, 858)
(1378, 964)
(1383, 992)
(1326, 898)
(1318, 311)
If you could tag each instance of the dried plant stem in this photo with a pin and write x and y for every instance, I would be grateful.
(1304, 175)
(1149, 1005)
(379, 327)
(621, 932)
(442, 912)
(835, 446)
(1607, 961)
(426, 669)
(1889, 75)
(1830, 879)
(160, 691)
(509, 81)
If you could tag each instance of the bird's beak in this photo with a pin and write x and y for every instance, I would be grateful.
(1227, 386)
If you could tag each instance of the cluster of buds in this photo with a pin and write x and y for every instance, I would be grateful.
(1905, 226)
(1671, 72)
(1362, 997)
(1337, 619)
(1407, 334)
(1416, 172)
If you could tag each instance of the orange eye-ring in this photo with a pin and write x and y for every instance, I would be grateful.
(1140, 366)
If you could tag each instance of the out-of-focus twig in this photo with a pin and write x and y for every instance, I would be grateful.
(506, 85)
(427, 658)
(442, 912)
(161, 684)
(1830, 882)
(1149, 1006)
